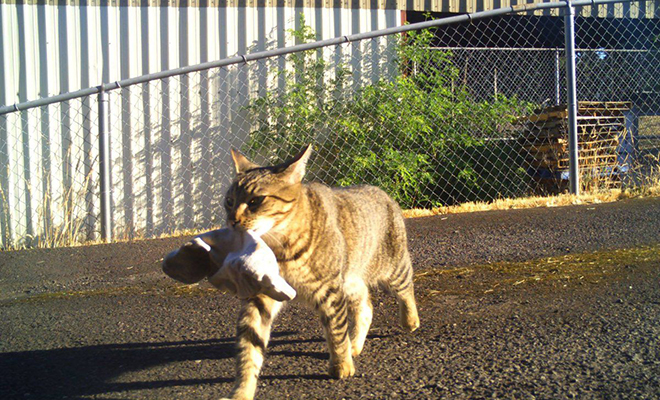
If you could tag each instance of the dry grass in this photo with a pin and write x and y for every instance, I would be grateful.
(607, 196)
(590, 266)
(71, 233)
(137, 289)
(581, 268)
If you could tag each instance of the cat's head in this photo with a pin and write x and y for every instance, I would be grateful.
(261, 198)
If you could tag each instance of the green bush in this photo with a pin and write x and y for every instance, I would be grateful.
(416, 135)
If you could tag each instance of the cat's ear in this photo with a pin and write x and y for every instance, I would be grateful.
(294, 169)
(241, 163)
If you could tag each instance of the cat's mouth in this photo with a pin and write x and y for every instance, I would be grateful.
(259, 228)
(262, 227)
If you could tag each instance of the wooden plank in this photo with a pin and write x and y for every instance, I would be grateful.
(548, 115)
(544, 134)
(600, 124)
(600, 113)
(560, 117)
(552, 166)
(605, 105)
(541, 148)
(551, 123)
(584, 134)
(615, 127)
(607, 159)
(598, 139)
(611, 118)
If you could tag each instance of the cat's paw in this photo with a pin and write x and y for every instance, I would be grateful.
(356, 348)
(342, 370)
(410, 322)
(236, 397)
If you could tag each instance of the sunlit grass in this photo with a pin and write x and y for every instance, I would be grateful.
(606, 196)
(69, 237)
(581, 268)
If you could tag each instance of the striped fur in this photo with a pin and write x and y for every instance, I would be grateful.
(333, 245)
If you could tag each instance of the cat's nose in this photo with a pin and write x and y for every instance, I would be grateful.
(236, 217)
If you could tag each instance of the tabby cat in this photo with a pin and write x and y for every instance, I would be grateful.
(332, 245)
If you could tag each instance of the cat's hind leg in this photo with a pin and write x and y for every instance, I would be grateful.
(361, 312)
(252, 336)
(400, 283)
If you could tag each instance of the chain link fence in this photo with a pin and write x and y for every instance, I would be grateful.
(468, 111)
(49, 175)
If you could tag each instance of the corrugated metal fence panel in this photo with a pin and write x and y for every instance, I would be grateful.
(92, 42)
(64, 48)
(50, 166)
(49, 157)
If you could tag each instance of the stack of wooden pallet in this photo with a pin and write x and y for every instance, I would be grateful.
(600, 127)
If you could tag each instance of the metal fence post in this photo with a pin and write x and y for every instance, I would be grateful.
(104, 167)
(557, 78)
(569, 34)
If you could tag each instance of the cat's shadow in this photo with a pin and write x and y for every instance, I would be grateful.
(319, 355)
(90, 370)
(275, 343)
(76, 372)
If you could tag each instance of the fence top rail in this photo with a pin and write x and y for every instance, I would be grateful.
(548, 49)
(520, 8)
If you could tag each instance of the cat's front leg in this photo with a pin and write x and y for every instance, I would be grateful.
(334, 317)
(252, 335)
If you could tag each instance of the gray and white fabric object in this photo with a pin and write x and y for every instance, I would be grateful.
(237, 262)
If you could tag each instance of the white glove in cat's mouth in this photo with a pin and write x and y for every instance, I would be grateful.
(251, 270)
(238, 262)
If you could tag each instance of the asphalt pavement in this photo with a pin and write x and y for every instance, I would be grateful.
(546, 303)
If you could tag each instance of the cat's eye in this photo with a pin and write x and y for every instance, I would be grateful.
(229, 202)
(255, 202)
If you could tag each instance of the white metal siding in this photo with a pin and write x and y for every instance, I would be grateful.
(50, 155)
(58, 41)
